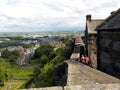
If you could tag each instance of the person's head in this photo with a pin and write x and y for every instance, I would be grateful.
(82, 55)
(85, 55)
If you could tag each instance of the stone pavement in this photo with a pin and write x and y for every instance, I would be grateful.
(82, 77)
(114, 86)
(80, 74)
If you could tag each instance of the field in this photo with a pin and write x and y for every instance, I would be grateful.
(18, 76)
(13, 85)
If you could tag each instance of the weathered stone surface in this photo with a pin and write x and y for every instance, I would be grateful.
(82, 77)
(80, 74)
(46, 88)
(60, 74)
(112, 86)
(109, 52)
(115, 86)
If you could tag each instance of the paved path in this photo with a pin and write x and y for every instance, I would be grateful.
(82, 77)
(80, 74)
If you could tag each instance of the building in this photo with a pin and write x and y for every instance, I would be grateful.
(109, 44)
(90, 39)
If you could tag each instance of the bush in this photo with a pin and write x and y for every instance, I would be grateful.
(28, 45)
(49, 57)
(44, 49)
(44, 60)
(11, 55)
(3, 72)
(5, 53)
(46, 76)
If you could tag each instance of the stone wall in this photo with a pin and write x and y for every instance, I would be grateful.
(81, 77)
(46, 88)
(114, 86)
(109, 52)
(92, 50)
(60, 74)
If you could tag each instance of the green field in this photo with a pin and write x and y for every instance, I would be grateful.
(34, 62)
(13, 84)
(19, 75)
(18, 71)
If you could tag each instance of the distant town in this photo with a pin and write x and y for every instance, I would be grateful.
(19, 53)
(27, 43)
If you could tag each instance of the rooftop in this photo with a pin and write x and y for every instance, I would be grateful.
(91, 25)
(112, 22)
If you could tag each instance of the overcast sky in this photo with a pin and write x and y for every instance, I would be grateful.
(40, 15)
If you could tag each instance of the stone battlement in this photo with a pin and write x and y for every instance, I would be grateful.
(82, 77)
(113, 86)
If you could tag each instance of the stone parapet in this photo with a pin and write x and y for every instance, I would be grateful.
(112, 86)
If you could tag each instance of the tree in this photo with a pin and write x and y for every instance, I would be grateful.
(37, 71)
(63, 52)
(11, 55)
(28, 45)
(15, 53)
(66, 39)
(12, 58)
(44, 49)
(52, 55)
(44, 60)
(3, 72)
(37, 53)
(58, 59)
(49, 58)
(46, 76)
(5, 53)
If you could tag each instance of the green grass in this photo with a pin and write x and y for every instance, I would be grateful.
(18, 71)
(34, 62)
(13, 84)
(22, 73)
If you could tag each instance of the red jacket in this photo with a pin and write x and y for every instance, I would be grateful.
(86, 59)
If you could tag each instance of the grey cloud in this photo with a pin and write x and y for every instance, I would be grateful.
(110, 4)
(60, 7)
(75, 16)
(54, 6)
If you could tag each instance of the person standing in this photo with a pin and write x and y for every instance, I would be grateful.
(82, 59)
(86, 60)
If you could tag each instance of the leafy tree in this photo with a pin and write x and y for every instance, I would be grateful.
(44, 49)
(66, 39)
(58, 59)
(37, 71)
(15, 53)
(12, 58)
(37, 53)
(11, 55)
(3, 72)
(46, 76)
(5, 53)
(63, 52)
(44, 60)
(52, 55)
(49, 58)
(28, 45)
